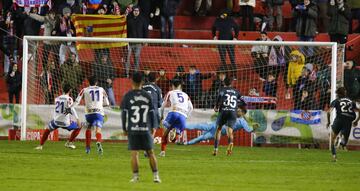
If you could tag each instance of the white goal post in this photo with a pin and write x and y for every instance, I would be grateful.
(28, 40)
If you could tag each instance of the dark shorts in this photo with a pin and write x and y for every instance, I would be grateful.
(341, 124)
(227, 118)
(140, 142)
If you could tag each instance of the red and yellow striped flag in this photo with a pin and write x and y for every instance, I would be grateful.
(109, 26)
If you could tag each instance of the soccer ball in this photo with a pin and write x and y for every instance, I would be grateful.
(157, 140)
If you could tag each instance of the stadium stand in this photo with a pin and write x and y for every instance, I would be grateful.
(188, 26)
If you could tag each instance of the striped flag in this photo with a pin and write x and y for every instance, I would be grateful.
(110, 26)
(306, 117)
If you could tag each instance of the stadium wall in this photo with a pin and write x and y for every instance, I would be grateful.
(276, 127)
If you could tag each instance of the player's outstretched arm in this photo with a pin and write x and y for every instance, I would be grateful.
(162, 109)
(328, 116)
(217, 103)
(105, 99)
(152, 115)
(242, 123)
(124, 114)
(74, 113)
(78, 99)
(198, 126)
(160, 98)
(162, 112)
(196, 140)
(190, 108)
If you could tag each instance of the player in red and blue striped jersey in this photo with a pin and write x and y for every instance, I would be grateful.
(62, 119)
(95, 100)
(180, 109)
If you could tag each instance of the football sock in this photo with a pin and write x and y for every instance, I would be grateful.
(156, 173)
(176, 138)
(163, 146)
(98, 137)
(333, 150)
(164, 140)
(74, 134)
(45, 136)
(88, 137)
(344, 142)
(230, 146)
(216, 144)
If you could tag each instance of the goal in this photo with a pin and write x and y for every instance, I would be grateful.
(287, 85)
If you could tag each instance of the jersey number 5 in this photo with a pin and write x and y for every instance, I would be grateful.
(230, 101)
(181, 98)
(136, 114)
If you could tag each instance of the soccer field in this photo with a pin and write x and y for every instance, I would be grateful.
(184, 168)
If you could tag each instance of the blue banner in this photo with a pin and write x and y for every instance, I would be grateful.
(305, 117)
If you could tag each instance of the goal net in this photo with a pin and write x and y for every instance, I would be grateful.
(286, 85)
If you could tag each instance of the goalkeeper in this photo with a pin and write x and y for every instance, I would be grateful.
(209, 129)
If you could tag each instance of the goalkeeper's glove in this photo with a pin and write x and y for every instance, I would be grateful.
(255, 126)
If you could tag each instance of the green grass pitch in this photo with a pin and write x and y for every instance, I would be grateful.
(184, 168)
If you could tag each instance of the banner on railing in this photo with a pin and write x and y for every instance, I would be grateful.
(31, 3)
(276, 126)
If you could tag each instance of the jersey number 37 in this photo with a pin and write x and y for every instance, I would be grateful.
(135, 118)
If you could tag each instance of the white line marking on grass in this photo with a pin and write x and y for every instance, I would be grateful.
(294, 161)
